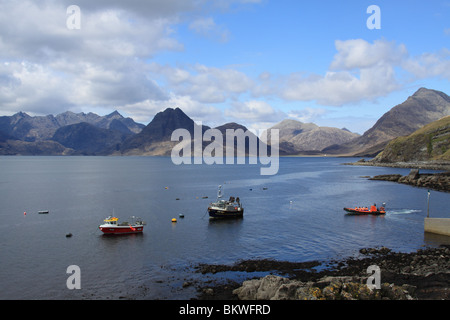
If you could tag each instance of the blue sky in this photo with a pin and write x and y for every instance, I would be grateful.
(255, 62)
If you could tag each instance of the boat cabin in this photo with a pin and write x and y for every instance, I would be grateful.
(111, 220)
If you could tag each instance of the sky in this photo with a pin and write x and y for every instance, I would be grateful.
(254, 62)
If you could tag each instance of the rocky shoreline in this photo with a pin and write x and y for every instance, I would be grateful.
(420, 275)
(435, 181)
(428, 165)
(439, 181)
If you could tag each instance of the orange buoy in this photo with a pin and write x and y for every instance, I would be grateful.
(174, 220)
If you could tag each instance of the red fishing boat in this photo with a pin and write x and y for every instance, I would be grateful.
(374, 210)
(112, 226)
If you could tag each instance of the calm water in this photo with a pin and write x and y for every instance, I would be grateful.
(295, 215)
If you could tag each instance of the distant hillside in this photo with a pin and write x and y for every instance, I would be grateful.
(154, 139)
(297, 137)
(421, 108)
(85, 138)
(38, 148)
(80, 133)
(40, 128)
(431, 142)
(245, 135)
(90, 134)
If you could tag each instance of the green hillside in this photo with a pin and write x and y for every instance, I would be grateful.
(431, 142)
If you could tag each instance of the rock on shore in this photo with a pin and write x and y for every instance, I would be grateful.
(437, 181)
(273, 287)
(421, 275)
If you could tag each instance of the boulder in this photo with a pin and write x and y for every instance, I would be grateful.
(336, 288)
(260, 289)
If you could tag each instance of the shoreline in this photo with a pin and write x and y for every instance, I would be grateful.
(427, 165)
(420, 275)
(439, 181)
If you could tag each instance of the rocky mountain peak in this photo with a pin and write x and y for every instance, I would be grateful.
(423, 107)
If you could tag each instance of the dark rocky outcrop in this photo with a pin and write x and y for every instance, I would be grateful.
(437, 181)
(273, 287)
(420, 275)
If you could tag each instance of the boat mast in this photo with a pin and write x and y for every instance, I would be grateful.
(219, 192)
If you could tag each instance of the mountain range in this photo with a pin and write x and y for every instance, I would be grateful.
(65, 133)
(423, 107)
(155, 138)
(71, 133)
(296, 137)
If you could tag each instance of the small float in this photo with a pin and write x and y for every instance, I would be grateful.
(112, 226)
(373, 210)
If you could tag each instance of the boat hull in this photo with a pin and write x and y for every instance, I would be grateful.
(121, 229)
(225, 214)
(356, 212)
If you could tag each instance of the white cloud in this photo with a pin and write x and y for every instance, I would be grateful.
(360, 54)
(49, 68)
(254, 110)
(209, 29)
(32, 87)
(307, 114)
(254, 113)
(205, 84)
(429, 65)
(360, 71)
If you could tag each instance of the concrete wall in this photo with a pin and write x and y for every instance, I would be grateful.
(437, 225)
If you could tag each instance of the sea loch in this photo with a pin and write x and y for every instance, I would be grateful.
(295, 215)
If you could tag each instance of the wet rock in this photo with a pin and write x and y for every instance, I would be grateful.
(374, 251)
(387, 177)
(279, 288)
(424, 274)
(436, 181)
(260, 289)
(289, 291)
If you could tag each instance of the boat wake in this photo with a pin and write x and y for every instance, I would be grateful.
(402, 211)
